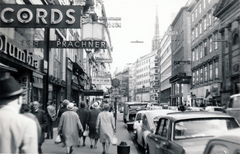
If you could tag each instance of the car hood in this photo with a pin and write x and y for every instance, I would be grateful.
(196, 145)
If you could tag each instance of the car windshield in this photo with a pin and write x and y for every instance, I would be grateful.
(137, 106)
(202, 127)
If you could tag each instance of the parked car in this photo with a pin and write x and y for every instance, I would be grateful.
(214, 109)
(227, 143)
(149, 123)
(130, 110)
(192, 108)
(164, 105)
(174, 108)
(138, 121)
(187, 132)
(233, 107)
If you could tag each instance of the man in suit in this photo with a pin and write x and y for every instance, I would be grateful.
(42, 119)
(51, 115)
(18, 132)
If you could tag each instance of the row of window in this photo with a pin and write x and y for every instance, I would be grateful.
(205, 47)
(143, 75)
(199, 9)
(205, 73)
(143, 82)
(143, 62)
(143, 69)
(202, 25)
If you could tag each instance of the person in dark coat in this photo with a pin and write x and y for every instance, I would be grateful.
(93, 114)
(61, 111)
(51, 115)
(83, 114)
(43, 121)
(25, 110)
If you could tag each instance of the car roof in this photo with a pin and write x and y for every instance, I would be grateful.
(154, 113)
(232, 135)
(136, 103)
(196, 115)
(235, 95)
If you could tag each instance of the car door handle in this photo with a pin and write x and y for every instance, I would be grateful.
(156, 139)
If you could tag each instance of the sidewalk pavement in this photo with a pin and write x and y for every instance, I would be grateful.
(122, 135)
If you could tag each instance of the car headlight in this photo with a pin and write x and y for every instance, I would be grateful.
(219, 149)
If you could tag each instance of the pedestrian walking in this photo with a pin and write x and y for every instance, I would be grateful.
(70, 126)
(83, 114)
(25, 110)
(105, 126)
(63, 109)
(93, 114)
(42, 119)
(18, 133)
(51, 115)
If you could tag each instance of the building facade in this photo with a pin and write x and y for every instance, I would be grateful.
(181, 58)
(229, 15)
(206, 56)
(165, 68)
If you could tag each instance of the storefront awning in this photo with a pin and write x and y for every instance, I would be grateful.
(93, 92)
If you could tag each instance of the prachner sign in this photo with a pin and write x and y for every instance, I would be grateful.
(40, 16)
(73, 44)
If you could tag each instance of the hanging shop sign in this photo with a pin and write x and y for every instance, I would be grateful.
(74, 44)
(22, 55)
(40, 16)
(101, 81)
(182, 62)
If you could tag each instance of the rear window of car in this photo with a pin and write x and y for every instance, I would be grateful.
(196, 128)
(218, 109)
(234, 102)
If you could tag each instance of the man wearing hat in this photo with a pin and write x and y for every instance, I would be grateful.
(43, 121)
(18, 132)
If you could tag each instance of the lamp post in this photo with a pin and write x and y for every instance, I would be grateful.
(143, 87)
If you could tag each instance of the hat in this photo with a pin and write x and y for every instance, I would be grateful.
(9, 86)
(95, 105)
(105, 106)
(70, 106)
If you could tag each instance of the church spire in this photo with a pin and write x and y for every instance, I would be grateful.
(156, 37)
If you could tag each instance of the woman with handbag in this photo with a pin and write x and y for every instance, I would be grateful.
(105, 126)
(93, 114)
(84, 117)
(69, 126)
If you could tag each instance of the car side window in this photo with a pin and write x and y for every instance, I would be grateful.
(144, 121)
(139, 116)
(163, 128)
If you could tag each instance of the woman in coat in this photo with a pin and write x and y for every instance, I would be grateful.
(93, 114)
(84, 117)
(70, 126)
(105, 124)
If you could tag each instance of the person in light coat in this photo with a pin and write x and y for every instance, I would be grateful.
(105, 126)
(70, 126)
(18, 133)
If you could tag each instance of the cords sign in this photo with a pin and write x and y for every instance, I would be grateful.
(40, 16)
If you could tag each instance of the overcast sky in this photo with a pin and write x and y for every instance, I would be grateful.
(137, 23)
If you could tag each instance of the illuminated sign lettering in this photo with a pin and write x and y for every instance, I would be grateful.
(40, 16)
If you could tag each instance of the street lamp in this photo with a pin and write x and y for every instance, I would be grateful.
(143, 87)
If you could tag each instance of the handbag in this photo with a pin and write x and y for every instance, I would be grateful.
(86, 133)
(58, 139)
(114, 140)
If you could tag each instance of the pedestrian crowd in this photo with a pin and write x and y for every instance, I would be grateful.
(23, 126)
